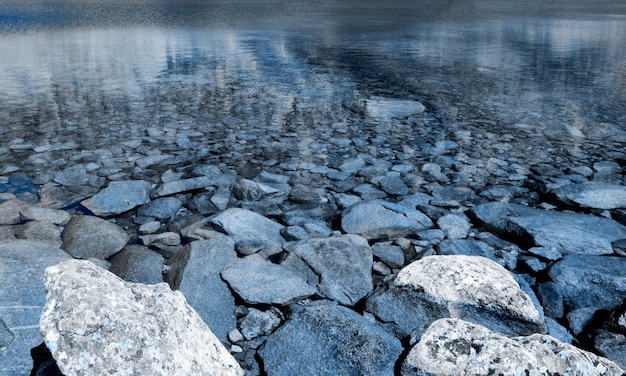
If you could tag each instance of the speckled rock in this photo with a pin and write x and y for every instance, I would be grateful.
(472, 288)
(95, 323)
(457, 347)
(248, 228)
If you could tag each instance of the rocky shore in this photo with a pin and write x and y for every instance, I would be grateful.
(375, 252)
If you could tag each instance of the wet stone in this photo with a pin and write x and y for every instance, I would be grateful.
(161, 208)
(119, 197)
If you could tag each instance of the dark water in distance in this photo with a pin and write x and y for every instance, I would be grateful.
(87, 70)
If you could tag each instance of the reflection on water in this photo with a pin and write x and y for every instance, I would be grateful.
(97, 86)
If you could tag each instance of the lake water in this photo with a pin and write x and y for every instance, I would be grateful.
(89, 75)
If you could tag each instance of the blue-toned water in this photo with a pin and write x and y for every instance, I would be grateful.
(86, 76)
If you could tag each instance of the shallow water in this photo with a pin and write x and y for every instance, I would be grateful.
(79, 77)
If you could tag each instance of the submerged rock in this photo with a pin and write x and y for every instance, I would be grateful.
(328, 339)
(456, 347)
(471, 288)
(95, 323)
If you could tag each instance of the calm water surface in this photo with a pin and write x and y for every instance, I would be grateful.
(93, 73)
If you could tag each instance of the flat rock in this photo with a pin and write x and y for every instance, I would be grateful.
(161, 208)
(457, 347)
(54, 216)
(328, 339)
(196, 273)
(249, 190)
(595, 195)
(344, 264)
(184, 185)
(247, 227)
(379, 107)
(567, 233)
(380, 219)
(119, 197)
(258, 281)
(590, 281)
(91, 237)
(96, 323)
(22, 298)
(472, 288)
(42, 231)
(139, 264)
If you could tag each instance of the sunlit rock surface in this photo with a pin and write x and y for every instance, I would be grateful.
(471, 288)
(457, 347)
(94, 322)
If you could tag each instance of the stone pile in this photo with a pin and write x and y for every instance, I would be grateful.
(361, 253)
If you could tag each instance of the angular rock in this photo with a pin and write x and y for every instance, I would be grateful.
(380, 107)
(471, 288)
(393, 185)
(249, 190)
(381, 219)
(258, 281)
(456, 347)
(42, 231)
(391, 255)
(344, 264)
(138, 264)
(119, 197)
(161, 208)
(590, 281)
(22, 298)
(91, 237)
(185, 185)
(76, 176)
(328, 339)
(454, 226)
(10, 212)
(96, 323)
(196, 273)
(567, 233)
(248, 227)
(258, 323)
(163, 239)
(595, 195)
(54, 216)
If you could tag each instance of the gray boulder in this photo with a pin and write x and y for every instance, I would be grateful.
(328, 339)
(595, 195)
(454, 226)
(258, 281)
(471, 288)
(344, 264)
(471, 247)
(10, 212)
(381, 108)
(22, 298)
(119, 197)
(161, 208)
(96, 323)
(247, 227)
(184, 185)
(92, 237)
(42, 231)
(380, 219)
(456, 347)
(567, 233)
(590, 281)
(54, 216)
(258, 323)
(195, 272)
(249, 190)
(136, 263)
